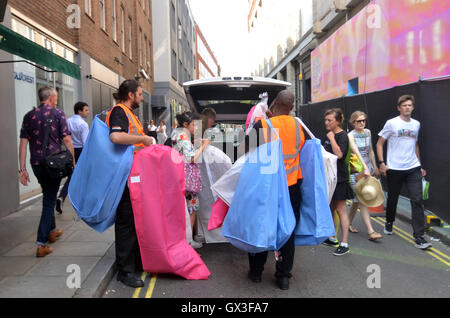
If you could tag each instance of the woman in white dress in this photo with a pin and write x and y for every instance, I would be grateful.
(162, 134)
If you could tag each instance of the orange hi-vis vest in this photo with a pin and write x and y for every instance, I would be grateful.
(134, 125)
(292, 140)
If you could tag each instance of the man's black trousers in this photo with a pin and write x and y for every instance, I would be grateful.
(128, 257)
(286, 257)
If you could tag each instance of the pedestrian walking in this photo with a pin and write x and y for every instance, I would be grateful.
(126, 129)
(293, 139)
(152, 130)
(33, 132)
(361, 138)
(79, 130)
(184, 145)
(403, 167)
(337, 142)
(162, 133)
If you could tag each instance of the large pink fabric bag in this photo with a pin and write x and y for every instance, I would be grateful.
(157, 189)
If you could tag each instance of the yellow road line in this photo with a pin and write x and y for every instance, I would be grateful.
(411, 241)
(137, 292)
(151, 287)
(412, 237)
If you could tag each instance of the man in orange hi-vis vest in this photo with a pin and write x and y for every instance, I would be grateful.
(126, 129)
(292, 139)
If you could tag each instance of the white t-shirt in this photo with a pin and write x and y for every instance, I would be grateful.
(402, 138)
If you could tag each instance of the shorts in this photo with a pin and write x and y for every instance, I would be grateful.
(343, 192)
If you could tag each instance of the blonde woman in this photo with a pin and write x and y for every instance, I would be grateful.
(361, 139)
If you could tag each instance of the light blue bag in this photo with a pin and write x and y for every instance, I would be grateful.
(261, 217)
(99, 179)
(316, 221)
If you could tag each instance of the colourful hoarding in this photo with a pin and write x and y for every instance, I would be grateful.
(389, 43)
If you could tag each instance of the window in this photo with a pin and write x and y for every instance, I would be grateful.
(114, 20)
(174, 65)
(145, 52)
(130, 37)
(88, 7)
(122, 28)
(102, 15)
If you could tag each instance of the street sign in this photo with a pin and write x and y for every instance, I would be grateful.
(3, 4)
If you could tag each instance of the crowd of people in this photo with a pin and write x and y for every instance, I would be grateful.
(402, 167)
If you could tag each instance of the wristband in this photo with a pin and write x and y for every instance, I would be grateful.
(380, 162)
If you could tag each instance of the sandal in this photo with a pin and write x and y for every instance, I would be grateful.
(374, 236)
(352, 229)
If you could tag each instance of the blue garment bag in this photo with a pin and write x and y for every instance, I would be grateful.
(261, 217)
(99, 178)
(316, 221)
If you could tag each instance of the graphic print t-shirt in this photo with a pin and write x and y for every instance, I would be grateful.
(402, 138)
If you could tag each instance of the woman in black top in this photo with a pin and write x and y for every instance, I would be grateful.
(337, 142)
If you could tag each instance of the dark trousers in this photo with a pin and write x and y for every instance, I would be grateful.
(128, 257)
(413, 180)
(65, 189)
(286, 257)
(50, 189)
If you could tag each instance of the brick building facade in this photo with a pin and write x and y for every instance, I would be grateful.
(107, 40)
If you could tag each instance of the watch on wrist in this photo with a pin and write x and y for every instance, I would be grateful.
(380, 162)
(22, 170)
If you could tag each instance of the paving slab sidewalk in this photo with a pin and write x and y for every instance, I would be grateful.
(23, 275)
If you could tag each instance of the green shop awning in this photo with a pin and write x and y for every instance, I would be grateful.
(19, 45)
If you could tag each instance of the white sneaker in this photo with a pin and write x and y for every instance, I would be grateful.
(196, 245)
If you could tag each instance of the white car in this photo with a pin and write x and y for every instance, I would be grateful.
(232, 98)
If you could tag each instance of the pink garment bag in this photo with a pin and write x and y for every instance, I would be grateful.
(157, 191)
(219, 212)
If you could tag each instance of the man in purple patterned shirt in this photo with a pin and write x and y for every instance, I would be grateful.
(33, 133)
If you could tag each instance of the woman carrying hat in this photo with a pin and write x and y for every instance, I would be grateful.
(368, 192)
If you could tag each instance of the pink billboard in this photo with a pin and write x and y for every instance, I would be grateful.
(389, 43)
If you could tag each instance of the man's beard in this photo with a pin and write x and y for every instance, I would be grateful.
(134, 105)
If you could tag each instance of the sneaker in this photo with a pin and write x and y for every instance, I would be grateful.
(422, 244)
(196, 245)
(329, 242)
(59, 204)
(341, 250)
(388, 228)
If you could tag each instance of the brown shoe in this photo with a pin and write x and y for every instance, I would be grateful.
(54, 235)
(43, 251)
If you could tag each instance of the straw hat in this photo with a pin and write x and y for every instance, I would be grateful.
(369, 192)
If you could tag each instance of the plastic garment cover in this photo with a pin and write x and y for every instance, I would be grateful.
(261, 216)
(258, 112)
(316, 222)
(157, 189)
(214, 164)
(99, 179)
(219, 211)
(225, 187)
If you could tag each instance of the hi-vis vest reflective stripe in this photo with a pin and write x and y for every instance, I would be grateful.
(134, 125)
(292, 139)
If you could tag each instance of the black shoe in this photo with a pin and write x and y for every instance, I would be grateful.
(256, 278)
(341, 250)
(130, 280)
(283, 282)
(329, 242)
(422, 244)
(388, 228)
(59, 204)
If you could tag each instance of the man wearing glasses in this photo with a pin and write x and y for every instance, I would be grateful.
(403, 167)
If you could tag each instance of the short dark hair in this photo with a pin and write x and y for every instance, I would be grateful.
(187, 117)
(406, 98)
(129, 86)
(79, 107)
